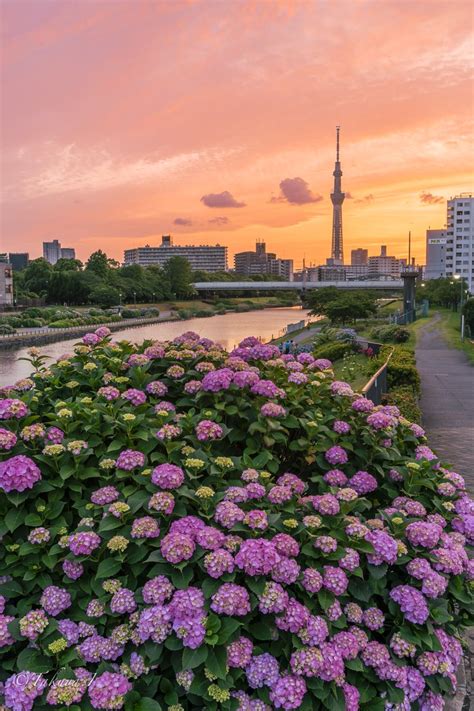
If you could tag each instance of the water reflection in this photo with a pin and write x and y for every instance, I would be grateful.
(227, 330)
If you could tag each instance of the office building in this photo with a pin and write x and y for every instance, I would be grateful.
(208, 258)
(435, 254)
(6, 285)
(68, 253)
(19, 260)
(52, 251)
(359, 257)
(262, 263)
(460, 238)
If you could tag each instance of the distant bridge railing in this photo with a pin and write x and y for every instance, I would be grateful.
(294, 285)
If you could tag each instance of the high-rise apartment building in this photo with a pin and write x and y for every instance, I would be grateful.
(460, 238)
(359, 257)
(208, 258)
(19, 260)
(436, 244)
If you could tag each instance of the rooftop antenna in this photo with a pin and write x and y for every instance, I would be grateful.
(338, 128)
(409, 248)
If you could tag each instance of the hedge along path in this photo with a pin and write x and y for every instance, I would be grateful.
(185, 528)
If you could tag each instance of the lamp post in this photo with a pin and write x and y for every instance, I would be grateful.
(135, 298)
(154, 297)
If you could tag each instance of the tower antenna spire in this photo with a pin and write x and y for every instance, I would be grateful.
(337, 198)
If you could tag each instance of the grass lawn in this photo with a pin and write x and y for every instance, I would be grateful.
(451, 330)
(353, 369)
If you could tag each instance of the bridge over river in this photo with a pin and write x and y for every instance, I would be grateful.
(295, 285)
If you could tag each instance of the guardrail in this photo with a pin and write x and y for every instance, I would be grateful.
(377, 386)
(52, 334)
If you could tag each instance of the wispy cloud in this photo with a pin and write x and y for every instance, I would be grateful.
(219, 221)
(51, 169)
(182, 222)
(430, 199)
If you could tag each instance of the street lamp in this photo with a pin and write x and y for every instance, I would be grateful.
(135, 298)
(154, 297)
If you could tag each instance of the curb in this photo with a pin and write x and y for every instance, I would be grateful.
(456, 702)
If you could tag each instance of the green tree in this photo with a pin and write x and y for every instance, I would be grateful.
(347, 309)
(37, 275)
(178, 271)
(98, 263)
(70, 287)
(68, 265)
(318, 299)
(468, 311)
(105, 296)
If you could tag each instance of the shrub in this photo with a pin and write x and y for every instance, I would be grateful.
(401, 370)
(333, 351)
(407, 402)
(169, 557)
(130, 313)
(6, 329)
(391, 334)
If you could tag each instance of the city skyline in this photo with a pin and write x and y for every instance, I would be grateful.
(218, 125)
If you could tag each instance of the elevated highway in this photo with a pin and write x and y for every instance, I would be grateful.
(294, 285)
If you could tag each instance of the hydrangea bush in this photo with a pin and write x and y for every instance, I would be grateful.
(186, 528)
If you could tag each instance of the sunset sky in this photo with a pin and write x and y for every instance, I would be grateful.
(214, 120)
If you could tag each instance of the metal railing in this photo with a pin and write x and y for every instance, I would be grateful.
(377, 386)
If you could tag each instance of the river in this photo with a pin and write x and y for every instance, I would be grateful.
(227, 330)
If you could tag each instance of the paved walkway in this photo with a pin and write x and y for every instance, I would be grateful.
(447, 399)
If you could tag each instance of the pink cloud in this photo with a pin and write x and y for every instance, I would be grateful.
(224, 199)
(108, 134)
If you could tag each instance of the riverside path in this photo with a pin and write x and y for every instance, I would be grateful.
(447, 399)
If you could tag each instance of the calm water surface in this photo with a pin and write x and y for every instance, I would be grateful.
(227, 330)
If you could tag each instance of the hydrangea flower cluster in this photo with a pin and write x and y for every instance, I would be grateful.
(232, 546)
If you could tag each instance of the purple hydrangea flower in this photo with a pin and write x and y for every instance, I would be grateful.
(130, 459)
(288, 692)
(107, 691)
(22, 689)
(167, 476)
(263, 670)
(55, 600)
(18, 473)
(412, 603)
(177, 547)
(231, 599)
(336, 455)
(239, 653)
(257, 557)
(206, 430)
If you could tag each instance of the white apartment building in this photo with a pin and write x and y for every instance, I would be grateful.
(460, 238)
(206, 257)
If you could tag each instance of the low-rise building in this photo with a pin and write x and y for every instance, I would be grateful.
(19, 260)
(6, 285)
(262, 263)
(208, 258)
(436, 244)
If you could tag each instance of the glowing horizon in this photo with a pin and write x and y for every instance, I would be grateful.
(215, 122)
